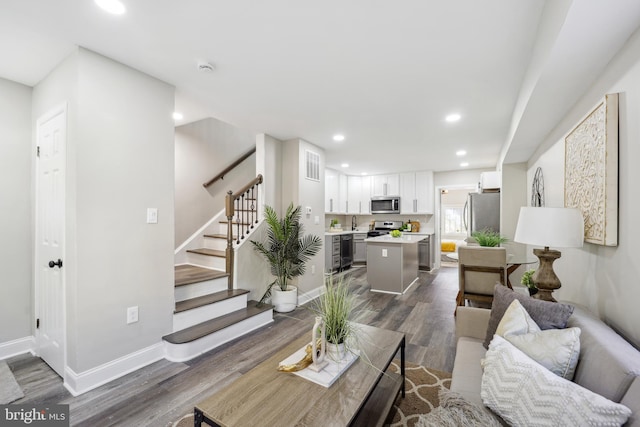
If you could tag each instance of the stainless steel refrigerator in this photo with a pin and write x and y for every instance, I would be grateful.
(482, 211)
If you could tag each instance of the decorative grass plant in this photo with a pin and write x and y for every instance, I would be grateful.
(488, 237)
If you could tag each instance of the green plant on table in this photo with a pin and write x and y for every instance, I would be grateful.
(527, 279)
(338, 308)
(334, 222)
(488, 237)
(286, 249)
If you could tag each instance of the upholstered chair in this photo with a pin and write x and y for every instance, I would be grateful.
(479, 269)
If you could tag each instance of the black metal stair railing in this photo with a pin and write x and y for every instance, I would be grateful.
(241, 210)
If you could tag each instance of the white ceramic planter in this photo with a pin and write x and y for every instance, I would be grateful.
(336, 352)
(284, 301)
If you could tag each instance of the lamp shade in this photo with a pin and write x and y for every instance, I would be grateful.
(550, 227)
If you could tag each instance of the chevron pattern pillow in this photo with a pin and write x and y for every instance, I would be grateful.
(524, 393)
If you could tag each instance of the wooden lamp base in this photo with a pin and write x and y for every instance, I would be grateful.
(545, 278)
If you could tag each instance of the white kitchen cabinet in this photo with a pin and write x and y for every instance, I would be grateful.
(386, 185)
(335, 192)
(358, 194)
(416, 193)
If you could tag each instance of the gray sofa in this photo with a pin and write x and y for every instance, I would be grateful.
(608, 364)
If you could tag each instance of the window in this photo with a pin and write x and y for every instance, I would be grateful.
(453, 220)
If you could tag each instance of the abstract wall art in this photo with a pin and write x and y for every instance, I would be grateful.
(591, 172)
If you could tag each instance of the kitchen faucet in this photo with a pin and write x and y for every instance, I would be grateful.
(354, 223)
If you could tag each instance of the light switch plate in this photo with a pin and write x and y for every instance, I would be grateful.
(152, 215)
(384, 253)
(132, 314)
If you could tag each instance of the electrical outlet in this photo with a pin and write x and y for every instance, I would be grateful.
(132, 314)
(152, 215)
(384, 253)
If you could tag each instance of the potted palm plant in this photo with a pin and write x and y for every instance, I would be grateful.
(287, 252)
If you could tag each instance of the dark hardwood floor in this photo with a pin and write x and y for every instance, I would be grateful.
(161, 393)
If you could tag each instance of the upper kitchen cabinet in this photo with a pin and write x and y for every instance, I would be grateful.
(416, 195)
(335, 192)
(358, 194)
(385, 185)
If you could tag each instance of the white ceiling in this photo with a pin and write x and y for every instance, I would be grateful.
(383, 73)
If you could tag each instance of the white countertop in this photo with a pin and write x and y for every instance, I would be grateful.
(344, 231)
(406, 238)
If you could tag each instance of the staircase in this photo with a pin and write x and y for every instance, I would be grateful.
(209, 311)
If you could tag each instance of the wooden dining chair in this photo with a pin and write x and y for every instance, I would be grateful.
(479, 269)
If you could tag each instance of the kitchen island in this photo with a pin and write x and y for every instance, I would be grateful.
(392, 262)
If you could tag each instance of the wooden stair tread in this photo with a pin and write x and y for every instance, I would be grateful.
(208, 252)
(208, 299)
(219, 236)
(224, 221)
(214, 325)
(188, 274)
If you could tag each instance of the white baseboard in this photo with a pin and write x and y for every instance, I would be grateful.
(310, 296)
(19, 346)
(78, 383)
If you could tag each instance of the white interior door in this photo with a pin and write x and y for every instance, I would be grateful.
(50, 213)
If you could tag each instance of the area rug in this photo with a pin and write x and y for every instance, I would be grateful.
(10, 391)
(422, 387)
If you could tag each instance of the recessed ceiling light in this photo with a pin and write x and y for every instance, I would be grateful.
(338, 137)
(453, 117)
(112, 6)
(461, 153)
(345, 165)
(363, 173)
(177, 116)
(464, 164)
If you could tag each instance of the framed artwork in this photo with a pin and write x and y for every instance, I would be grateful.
(591, 172)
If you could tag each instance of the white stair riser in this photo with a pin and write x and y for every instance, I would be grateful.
(184, 319)
(187, 351)
(194, 290)
(215, 243)
(206, 261)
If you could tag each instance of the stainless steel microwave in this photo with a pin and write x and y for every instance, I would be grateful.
(385, 205)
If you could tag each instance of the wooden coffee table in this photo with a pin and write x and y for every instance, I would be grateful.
(362, 396)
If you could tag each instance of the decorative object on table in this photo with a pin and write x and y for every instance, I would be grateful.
(327, 376)
(287, 251)
(395, 233)
(488, 237)
(305, 357)
(337, 308)
(591, 172)
(318, 345)
(335, 225)
(537, 189)
(527, 280)
(549, 227)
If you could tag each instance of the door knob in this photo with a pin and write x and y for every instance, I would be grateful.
(53, 264)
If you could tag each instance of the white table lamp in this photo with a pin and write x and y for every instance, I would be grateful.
(549, 227)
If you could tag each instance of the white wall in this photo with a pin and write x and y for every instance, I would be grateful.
(16, 155)
(203, 149)
(120, 161)
(603, 278)
(306, 193)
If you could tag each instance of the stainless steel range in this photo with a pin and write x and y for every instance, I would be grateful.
(384, 227)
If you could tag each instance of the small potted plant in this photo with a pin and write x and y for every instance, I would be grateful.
(488, 237)
(337, 307)
(527, 280)
(287, 251)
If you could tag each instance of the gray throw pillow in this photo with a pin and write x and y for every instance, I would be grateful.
(548, 315)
